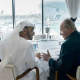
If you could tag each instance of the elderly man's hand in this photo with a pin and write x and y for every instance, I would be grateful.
(47, 56)
(38, 55)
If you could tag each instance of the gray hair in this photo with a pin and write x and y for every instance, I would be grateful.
(69, 23)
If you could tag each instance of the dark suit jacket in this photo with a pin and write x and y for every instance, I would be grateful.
(69, 58)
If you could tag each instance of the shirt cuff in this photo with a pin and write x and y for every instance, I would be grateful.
(51, 60)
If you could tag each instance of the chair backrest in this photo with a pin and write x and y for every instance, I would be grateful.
(78, 73)
(10, 73)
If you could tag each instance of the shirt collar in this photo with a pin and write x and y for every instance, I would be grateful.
(73, 33)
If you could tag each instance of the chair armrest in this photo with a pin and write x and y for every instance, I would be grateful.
(27, 71)
(56, 75)
(71, 77)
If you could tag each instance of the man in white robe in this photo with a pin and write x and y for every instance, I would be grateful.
(19, 51)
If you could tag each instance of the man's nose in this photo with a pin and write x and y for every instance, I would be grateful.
(60, 33)
(33, 33)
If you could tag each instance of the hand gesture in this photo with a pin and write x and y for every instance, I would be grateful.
(38, 55)
(47, 56)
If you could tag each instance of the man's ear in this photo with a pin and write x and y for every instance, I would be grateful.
(24, 30)
(68, 28)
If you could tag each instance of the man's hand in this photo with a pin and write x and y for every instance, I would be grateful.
(47, 56)
(38, 55)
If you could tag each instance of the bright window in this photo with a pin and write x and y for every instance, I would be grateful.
(55, 12)
(6, 24)
(30, 10)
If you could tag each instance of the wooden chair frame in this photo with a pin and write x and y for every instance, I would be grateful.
(27, 71)
(57, 76)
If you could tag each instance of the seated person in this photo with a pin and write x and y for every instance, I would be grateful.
(69, 58)
(18, 50)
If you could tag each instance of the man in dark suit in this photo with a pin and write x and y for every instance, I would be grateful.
(69, 58)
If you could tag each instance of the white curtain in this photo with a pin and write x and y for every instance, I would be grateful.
(73, 8)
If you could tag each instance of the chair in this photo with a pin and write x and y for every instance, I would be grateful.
(69, 76)
(27, 71)
(10, 73)
(56, 75)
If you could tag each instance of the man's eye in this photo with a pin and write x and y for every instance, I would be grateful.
(61, 32)
(32, 30)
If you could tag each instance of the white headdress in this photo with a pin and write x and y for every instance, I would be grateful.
(11, 43)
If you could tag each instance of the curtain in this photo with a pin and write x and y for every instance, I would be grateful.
(73, 8)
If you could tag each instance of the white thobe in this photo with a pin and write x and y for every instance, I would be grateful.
(25, 59)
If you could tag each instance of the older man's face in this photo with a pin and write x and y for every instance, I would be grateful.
(65, 32)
